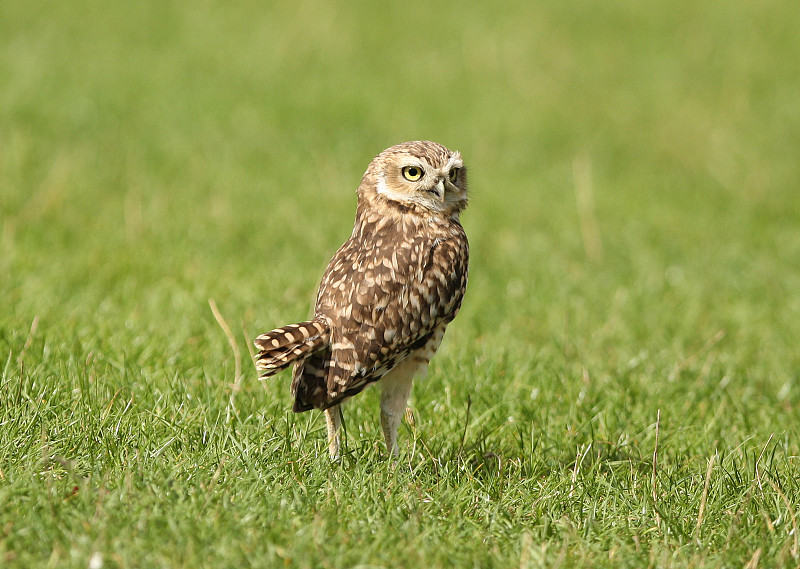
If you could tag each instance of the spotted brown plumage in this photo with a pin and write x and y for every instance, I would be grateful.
(387, 294)
(282, 346)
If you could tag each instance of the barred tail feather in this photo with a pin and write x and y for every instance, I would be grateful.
(279, 348)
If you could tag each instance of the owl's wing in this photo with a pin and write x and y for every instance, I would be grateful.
(385, 301)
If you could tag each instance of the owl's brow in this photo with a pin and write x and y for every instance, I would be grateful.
(422, 159)
(454, 162)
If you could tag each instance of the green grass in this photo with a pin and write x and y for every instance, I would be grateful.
(621, 389)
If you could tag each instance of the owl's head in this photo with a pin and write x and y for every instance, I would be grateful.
(420, 174)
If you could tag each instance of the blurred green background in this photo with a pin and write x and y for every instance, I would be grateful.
(634, 224)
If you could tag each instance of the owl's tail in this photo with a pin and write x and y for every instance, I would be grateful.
(279, 348)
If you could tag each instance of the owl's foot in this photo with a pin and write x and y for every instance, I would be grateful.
(333, 419)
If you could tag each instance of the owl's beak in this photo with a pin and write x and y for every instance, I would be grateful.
(440, 190)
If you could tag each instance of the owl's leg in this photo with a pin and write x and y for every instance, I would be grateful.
(394, 396)
(333, 418)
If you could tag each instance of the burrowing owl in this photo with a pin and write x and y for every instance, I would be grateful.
(388, 293)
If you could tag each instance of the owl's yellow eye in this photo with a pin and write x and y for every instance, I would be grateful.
(412, 173)
(453, 175)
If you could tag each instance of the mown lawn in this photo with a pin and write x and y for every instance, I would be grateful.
(621, 389)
